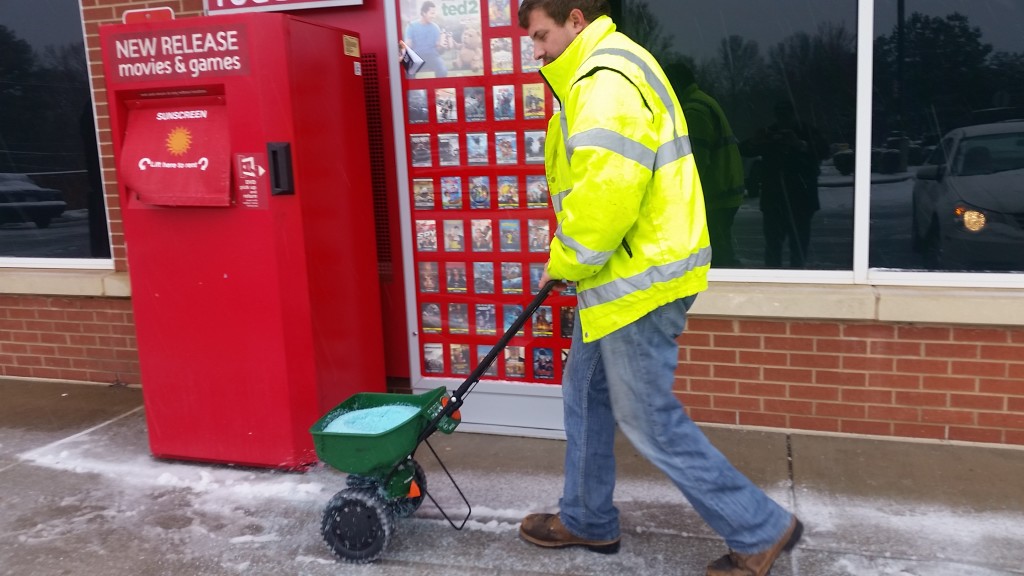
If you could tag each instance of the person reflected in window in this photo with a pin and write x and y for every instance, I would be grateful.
(716, 150)
(428, 40)
(790, 154)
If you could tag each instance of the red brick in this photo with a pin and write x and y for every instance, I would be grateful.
(999, 420)
(895, 381)
(736, 372)
(691, 370)
(737, 341)
(780, 406)
(1015, 404)
(695, 400)
(816, 329)
(759, 419)
(977, 401)
(922, 366)
(712, 386)
(949, 383)
(868, 363)
(893, 413)
(716, 416)
(829, 345)
(761, 327)
(789, 343)
(1004, 353)
(969, 434)
(691, 340)
(712, 355)
(870, 331)
(751, 357)
(840, 378)
(932, 431)
(993, 386)
(739, 403)
(699, 324)
(814, 360)
(866, 427)
(763, 389)
(961, 417)
(794, 375)
(946, 351)
(918, 399)
(1013, 437)
(996, 335)
(895, 348)
(924, 333)
(866, 396)
(813, 423)
(988, 369)
(840, 410)
(813, 392)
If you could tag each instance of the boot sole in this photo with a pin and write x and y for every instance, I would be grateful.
(610, 547)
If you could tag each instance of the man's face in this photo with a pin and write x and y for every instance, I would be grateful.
(551, 38)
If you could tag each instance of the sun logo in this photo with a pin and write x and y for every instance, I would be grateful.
(179, 141)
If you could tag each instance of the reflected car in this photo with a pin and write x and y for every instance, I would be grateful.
(968, 199)
(22, 200)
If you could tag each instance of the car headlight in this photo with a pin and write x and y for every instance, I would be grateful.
(972, 220)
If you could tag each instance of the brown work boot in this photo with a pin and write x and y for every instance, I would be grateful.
(548, 531)
(760, 564)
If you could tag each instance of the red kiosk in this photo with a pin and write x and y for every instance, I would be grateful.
(245, 192)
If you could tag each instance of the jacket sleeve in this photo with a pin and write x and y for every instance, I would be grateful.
(611, 144)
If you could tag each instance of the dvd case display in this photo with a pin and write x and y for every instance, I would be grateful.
(480, 210)
(511, 278)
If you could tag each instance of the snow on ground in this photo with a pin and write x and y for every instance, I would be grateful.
(857, 536)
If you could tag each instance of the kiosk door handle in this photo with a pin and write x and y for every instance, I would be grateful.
(281, 181)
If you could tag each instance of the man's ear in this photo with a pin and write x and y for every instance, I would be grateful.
(577, 20)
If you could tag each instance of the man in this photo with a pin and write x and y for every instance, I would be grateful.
(632, 235)
(791, 153)
(717, 154)
(428, 40)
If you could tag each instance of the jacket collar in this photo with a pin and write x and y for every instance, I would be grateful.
(560, 73)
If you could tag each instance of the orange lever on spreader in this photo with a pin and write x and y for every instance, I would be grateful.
(414, 490)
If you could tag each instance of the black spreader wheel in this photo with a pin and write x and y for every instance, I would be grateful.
(405, 507)
(356, 525)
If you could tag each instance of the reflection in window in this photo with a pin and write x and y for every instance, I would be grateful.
(51, 202)
(949, 71)
(784, 75)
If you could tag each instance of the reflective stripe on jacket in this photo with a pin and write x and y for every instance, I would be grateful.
(631, 226)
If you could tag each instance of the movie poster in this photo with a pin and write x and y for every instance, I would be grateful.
(446, 34)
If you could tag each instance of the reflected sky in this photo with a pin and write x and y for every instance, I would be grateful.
(42, 22)
(698, 27)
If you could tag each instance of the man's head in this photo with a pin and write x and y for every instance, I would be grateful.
(427, 10)
(554, 24)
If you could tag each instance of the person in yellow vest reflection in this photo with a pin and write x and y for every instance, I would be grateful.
(632, 235)
(717, 152)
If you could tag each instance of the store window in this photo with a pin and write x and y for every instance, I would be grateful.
(947, 160)
(51, 201)
(784, 73)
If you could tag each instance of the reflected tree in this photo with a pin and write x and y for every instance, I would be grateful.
(941, 78)
(640, 24)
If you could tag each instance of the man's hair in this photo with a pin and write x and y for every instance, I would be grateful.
(427, 6)
(559, 10)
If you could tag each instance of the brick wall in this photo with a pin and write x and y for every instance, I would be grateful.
(78, 339)
(919, 381)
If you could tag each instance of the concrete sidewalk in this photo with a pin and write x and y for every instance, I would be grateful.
(82, 496)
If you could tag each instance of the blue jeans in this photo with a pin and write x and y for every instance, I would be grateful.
(626, 378)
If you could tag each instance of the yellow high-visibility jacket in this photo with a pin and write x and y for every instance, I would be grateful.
(631, 225)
